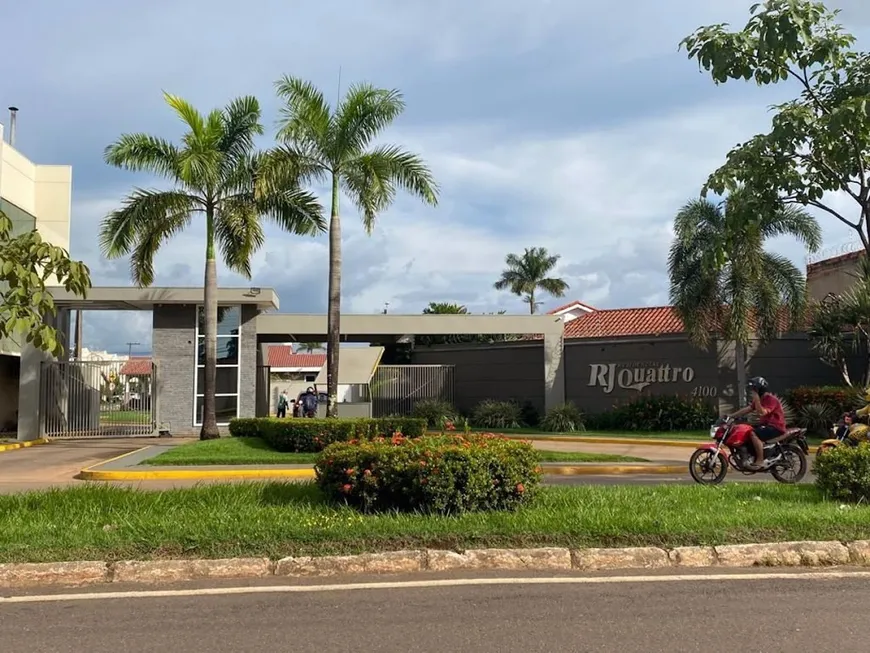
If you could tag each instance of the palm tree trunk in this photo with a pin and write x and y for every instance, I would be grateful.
(740, 364)
(333, 311)
(209, 430)
(532, 302)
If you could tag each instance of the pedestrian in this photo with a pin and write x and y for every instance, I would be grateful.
(282, 404)
(309, 403)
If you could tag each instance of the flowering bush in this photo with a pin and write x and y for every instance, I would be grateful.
(839, 399)
(310, 435)
(446, 474)
(434, 411)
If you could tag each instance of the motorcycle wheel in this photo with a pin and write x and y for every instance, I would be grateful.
(707, 467)
(793, 467)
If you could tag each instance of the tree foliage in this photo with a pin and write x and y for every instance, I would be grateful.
(722, 281)
(28, 267)
(529, 272)
(818, 142)
(449, 308)
(337, 146)
(217, 176)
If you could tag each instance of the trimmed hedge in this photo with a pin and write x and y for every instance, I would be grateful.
(445, 474)
(839, 399)
(655, 413)
(310, 435)
(843, 473)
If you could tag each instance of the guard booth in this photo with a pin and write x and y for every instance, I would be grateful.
(356, 367)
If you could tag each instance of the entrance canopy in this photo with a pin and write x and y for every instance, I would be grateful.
(356, 365)
(281, 327)
(126, 298)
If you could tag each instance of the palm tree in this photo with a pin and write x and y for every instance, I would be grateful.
(722, 281)
(444, 308)
(216, 173)
(335, 145)
(527, 273)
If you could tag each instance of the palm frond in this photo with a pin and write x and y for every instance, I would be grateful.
(305, 117)
(556, 287)
(295, 210)
(143, 208)
(189, 115)
(790, 220)
(364, 112)
(241, 123)
(239, 233)
(142, 152)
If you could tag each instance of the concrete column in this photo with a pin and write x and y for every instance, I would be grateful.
(554, 370)
(29, 391)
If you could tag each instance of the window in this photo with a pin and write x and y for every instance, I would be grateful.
(227, 371)
(310, 378)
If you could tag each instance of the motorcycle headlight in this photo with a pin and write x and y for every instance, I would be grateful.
(713, 430)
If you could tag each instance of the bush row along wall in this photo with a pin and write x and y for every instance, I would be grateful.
(601, 373)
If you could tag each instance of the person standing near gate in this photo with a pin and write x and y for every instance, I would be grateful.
(309, 403)
(282, 404)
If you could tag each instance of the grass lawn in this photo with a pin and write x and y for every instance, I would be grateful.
(125, 417)
(253, 451)
(95, 522)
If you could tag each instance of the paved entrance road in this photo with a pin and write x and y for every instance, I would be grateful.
(713, 616)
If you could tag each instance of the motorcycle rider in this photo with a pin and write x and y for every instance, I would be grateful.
(771, 417)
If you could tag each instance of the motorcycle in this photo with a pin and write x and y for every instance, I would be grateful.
(785, 457)
(844, 436)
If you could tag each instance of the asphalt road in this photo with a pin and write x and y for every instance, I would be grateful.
(710, 615)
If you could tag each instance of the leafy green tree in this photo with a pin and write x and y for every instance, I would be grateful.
(818, 142)
(336, 146)
(722, 280)
(217, 175)
(528, 273)
(311, 347)
(444, 308)
(28, 266)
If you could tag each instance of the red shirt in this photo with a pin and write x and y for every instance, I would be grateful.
(775, 416)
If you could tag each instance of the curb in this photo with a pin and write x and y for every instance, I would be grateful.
(777, 554)
(646, 442)
(13, 446)
(582, 469)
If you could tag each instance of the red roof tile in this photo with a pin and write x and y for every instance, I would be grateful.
(136, 366)
(283, 356)
(611, 323)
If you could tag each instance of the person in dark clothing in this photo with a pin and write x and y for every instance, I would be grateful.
(309, 403)
(771, 417)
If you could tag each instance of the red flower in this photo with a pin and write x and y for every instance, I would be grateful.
(367, 472)
(350, 472)
(521, 488)
(346, 488)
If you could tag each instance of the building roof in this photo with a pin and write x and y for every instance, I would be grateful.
(570, 305)
(283, 356)
(833, 262)
(136, 366)
(613, 323)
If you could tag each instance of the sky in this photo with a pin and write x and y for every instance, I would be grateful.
(576, 126)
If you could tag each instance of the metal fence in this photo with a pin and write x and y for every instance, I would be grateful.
(97, 399)
(396, 389)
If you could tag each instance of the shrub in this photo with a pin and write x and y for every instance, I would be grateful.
(843, 473)
(563, 419)
(435, 412)
(840, 399)
(493, 414)
(656, 413)
(311, 435)
(529, 415)
(816, 418)
(446, 474)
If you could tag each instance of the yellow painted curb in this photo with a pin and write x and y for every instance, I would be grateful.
(12, 446)
(606, 470)
(648, 442)
(192, 474)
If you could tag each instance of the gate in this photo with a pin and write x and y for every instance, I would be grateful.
(97, 399)
(264, 391)
(396, 389)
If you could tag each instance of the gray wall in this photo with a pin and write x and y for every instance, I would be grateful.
(173, 352)
(515, 370)
(499, 371)
(248, 362)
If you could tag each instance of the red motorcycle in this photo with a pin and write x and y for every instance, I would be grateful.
(785, 457)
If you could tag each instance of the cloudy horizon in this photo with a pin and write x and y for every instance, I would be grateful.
(575, 127)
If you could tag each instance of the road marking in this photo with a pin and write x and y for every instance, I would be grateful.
(435, 583)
